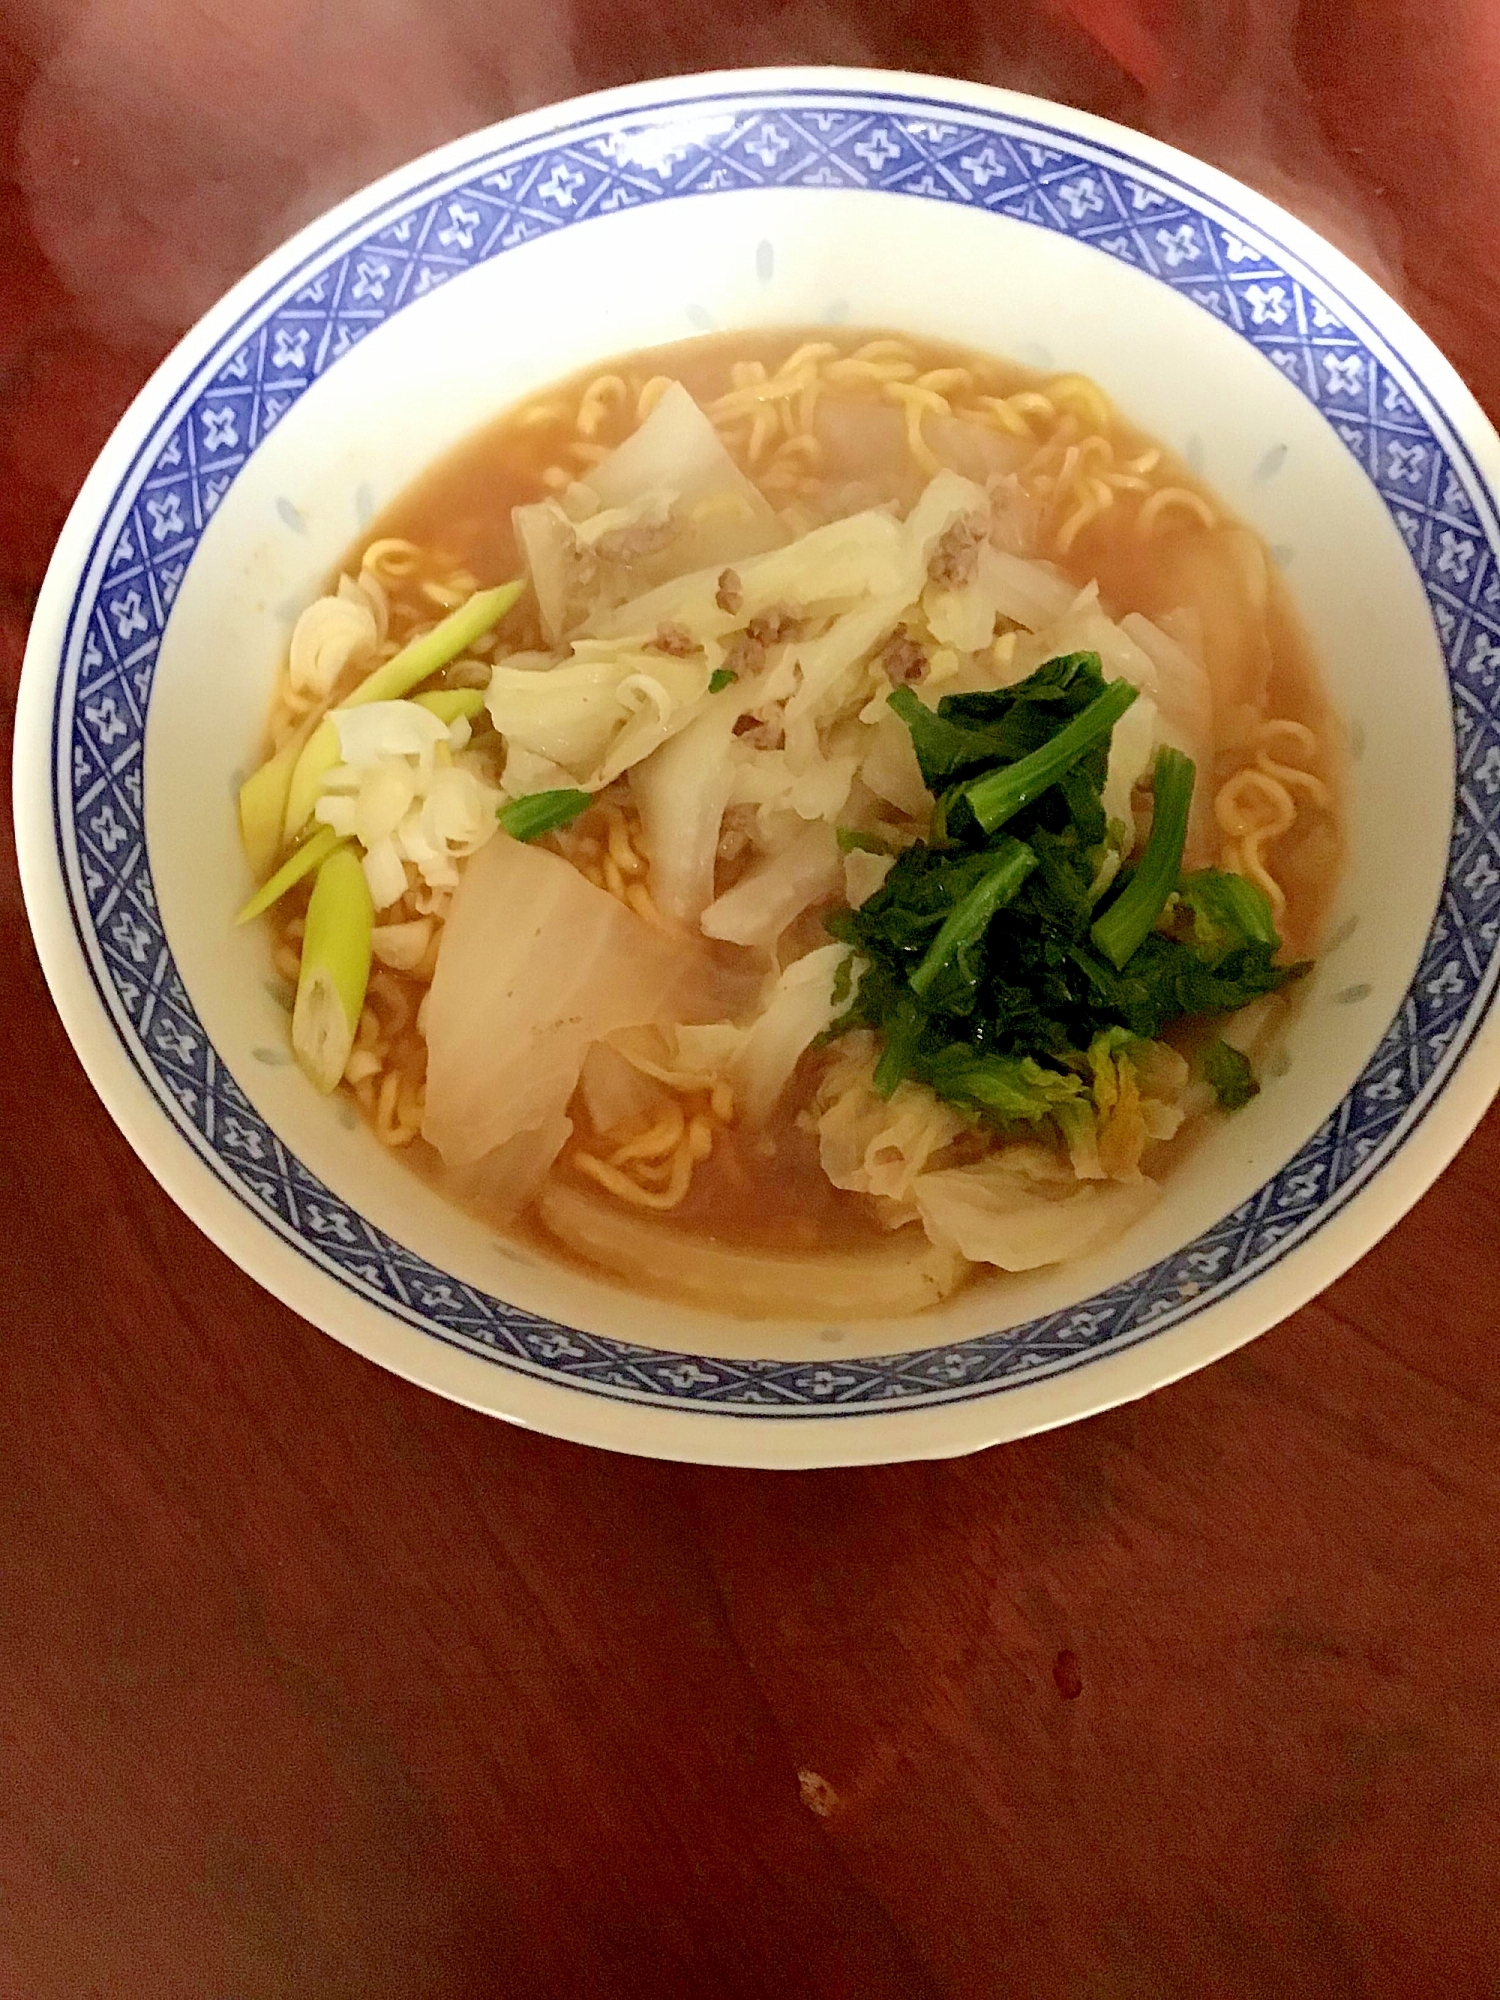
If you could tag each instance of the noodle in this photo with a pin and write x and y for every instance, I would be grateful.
(651, 394)
(1074, 466)
(392, 559)
(616, 866)
(918, 403)
(451, 592)
(654, 1144)
(1253, 809)
(1086, 397)
(662, 1157)
(607, 393)
(625, 1189)
(767, 420)
(1167, 497)
(1301, 738)
(1257, 805)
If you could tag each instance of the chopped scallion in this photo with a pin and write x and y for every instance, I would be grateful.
(542, 812)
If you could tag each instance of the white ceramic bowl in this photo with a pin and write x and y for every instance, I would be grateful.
(392, 326)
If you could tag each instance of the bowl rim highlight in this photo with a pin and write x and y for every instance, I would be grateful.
(815, 1415)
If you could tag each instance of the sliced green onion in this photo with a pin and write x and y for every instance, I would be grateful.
(969, 919)
(311, 854)
(852, 840)
(1128, 921)
(415, 663)
(335, 969)
(263, 799)
(425, 656)
(542, 812)
(448, 704)
(999, 795)
(319, 755)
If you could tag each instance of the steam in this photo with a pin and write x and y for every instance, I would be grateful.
(164, 147)
(1239, 102)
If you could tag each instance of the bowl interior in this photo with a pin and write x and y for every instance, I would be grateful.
(418, 380)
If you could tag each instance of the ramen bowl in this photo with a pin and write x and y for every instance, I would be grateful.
(394, 325)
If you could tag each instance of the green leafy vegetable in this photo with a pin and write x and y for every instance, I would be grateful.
(961, 937)
(542, 812)
(1227, 912)
(1133, 912)
(1166, 980)
(1013, 1089)
(721, 678)
(1000, 794)
(967, 734)
(1007, 969)
(1228, 1070)
(903, 1024)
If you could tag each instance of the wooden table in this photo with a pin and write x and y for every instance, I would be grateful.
(311, 1685)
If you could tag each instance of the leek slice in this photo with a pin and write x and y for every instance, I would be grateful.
(311, 854)
(335, 969)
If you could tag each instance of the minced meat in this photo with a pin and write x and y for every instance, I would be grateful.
(673, 639)
(903, 659)
(955, 560)
(771, 627)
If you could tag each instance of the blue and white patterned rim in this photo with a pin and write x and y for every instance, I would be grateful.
(697, 145)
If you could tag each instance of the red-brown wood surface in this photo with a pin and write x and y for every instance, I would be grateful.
(312, 1685)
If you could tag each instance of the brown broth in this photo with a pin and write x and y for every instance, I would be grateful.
(770, 1191)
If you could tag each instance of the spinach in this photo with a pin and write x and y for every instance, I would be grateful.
(967, 734)
(1227, 911)
(989, 960)
(1132, 915)
(953, 962)
(991, 800)
(1228, 1070)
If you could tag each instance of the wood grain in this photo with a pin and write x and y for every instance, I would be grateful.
(313, 1685)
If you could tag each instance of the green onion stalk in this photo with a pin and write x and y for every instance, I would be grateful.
(537, 813)
(311, 854)
(414, 664)
(263, 798)
(335, 969)
(433, 651)
(449, 704)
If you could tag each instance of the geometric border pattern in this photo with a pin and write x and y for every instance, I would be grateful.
(696, 147)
